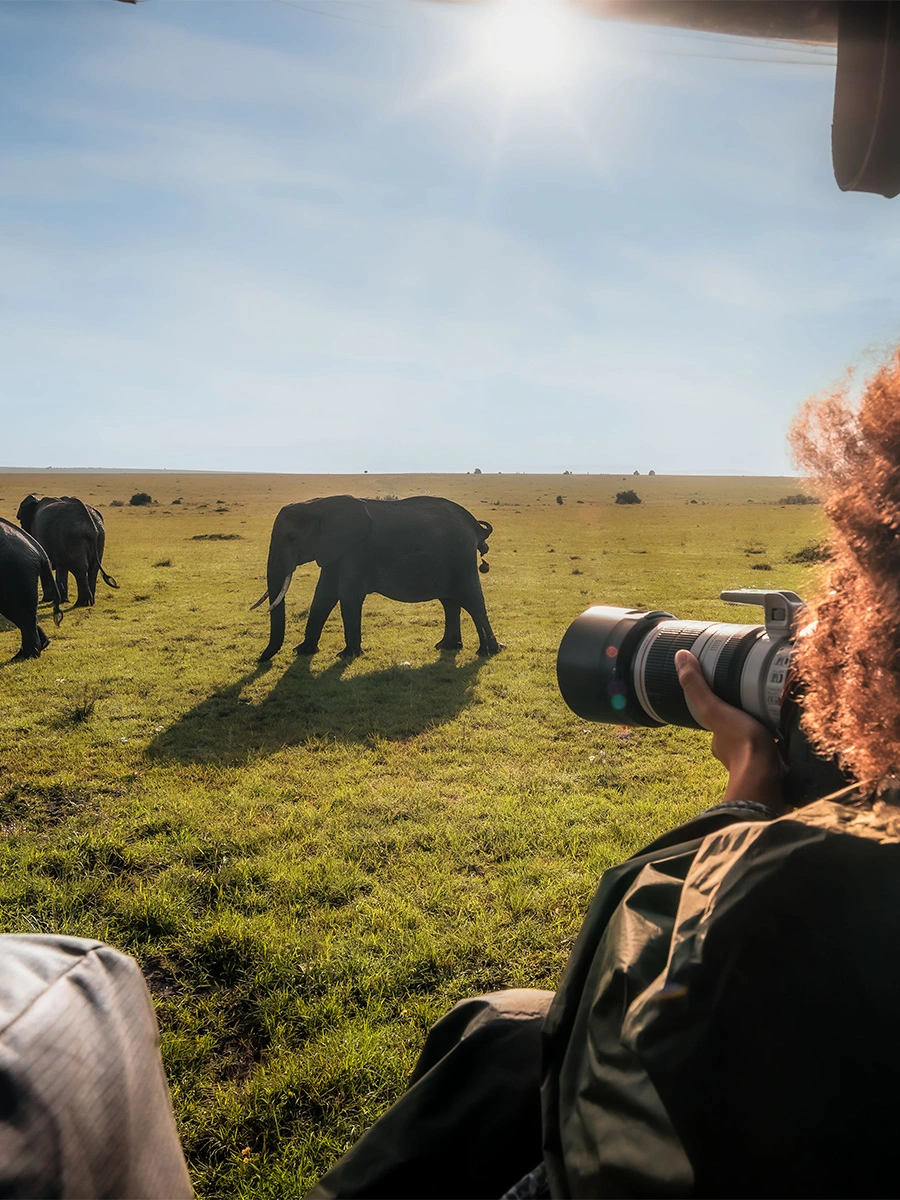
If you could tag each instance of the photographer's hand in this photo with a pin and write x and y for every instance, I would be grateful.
(743, 746)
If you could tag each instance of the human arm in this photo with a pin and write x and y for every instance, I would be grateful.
(743, 746)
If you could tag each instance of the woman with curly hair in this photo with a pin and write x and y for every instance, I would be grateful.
(728, 1023)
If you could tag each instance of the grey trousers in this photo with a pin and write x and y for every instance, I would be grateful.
(84, 1105)
(469, 1123)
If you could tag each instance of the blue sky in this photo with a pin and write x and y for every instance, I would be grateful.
(251, 236)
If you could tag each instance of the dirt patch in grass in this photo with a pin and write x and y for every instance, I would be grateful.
(41, 804)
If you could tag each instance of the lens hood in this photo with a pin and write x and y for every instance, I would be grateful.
(593, 665)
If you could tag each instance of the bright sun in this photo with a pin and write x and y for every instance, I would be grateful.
(526, 46)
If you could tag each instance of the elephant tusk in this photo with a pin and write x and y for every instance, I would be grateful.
(284, 587)
(260, 600)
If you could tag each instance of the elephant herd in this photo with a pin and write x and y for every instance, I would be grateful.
(413, 550)
(58, 533)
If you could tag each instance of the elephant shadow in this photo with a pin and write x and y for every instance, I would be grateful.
(395, 704)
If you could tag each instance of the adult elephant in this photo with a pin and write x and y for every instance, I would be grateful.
(22, 562)
(423, 548)
(74, 536)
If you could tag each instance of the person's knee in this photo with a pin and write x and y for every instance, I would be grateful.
(514, 1003)
(488, 1015)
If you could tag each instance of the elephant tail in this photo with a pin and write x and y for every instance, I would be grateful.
(95, 551)
(48, 583)
(483, 547)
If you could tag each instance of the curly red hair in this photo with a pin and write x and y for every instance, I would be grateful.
(850, 662)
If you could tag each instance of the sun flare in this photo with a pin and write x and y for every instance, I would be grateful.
(526, 46)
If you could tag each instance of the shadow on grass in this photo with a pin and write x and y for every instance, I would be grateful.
(395, 704)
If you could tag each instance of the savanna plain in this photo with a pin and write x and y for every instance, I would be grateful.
(312, 860)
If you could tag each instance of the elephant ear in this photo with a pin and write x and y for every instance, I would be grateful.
(344, 522)
(25, 515)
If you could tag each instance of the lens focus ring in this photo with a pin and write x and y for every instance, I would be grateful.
(664, 692)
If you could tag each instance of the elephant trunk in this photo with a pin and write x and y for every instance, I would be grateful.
(276, 633)
(278, 576)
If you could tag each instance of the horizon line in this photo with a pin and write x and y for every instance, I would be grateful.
(9, 470)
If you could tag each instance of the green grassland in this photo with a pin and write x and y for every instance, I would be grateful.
(312, 860)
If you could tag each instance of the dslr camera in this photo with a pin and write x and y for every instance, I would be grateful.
(618, 665)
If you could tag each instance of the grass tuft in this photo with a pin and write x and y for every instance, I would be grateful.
(84, 709)
(815, 552)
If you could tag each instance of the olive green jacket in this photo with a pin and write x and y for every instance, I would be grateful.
(729, 1020)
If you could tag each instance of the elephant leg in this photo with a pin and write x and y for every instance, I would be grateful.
(62, 586)
(452, 639)
(85, 597)
(351, 615)
(31, 645)
(323, 604)
(473, 603)
(34, 640)
(19, 605)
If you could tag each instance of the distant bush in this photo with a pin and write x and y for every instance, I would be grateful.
(799, 498)
(216, 537)
(629, 497)
(651, 472)
(760, 567)
(117, 504)
(635, 472)
(477, 471)
(559, 500)
(816, 552)
(141, 498)
(178, 501)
